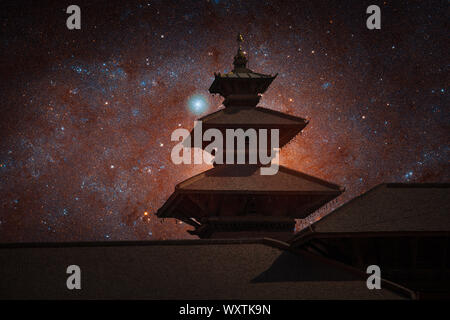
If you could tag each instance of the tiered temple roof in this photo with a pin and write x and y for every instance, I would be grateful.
(235, 200)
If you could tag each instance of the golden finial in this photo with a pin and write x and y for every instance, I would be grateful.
(240, 38)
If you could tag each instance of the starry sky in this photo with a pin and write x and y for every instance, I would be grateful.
(86, 115)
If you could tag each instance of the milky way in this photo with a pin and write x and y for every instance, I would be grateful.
(86, 115)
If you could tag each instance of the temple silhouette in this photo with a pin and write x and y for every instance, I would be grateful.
(236, 200)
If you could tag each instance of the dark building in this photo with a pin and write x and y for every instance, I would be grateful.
(402, 228)
(235, 200)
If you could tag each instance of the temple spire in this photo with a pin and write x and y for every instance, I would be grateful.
(241, 87)
(240, 60)
(240, 39)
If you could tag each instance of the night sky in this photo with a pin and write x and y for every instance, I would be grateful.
(86, 115)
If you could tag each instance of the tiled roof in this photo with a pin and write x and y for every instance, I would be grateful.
(392, 207)
(249, 74)
(189, 269)
(251, 117)
(228, 190)
(248, 179)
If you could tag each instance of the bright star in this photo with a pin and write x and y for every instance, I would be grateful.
(198, 104)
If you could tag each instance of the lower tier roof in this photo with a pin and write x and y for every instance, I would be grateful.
(232, 190)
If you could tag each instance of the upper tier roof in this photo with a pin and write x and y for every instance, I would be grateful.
(252, 117)
(244, 73)
(256, 118)
(241, 80)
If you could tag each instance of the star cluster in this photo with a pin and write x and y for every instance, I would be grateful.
(86, 115)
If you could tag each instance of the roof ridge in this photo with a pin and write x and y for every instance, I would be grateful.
(417, 185)
(174, 242)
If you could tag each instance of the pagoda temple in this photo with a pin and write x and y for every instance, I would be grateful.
(236, 200)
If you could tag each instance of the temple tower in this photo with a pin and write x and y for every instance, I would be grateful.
(236, 200)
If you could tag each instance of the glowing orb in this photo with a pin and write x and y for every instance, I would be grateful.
(198, 104)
